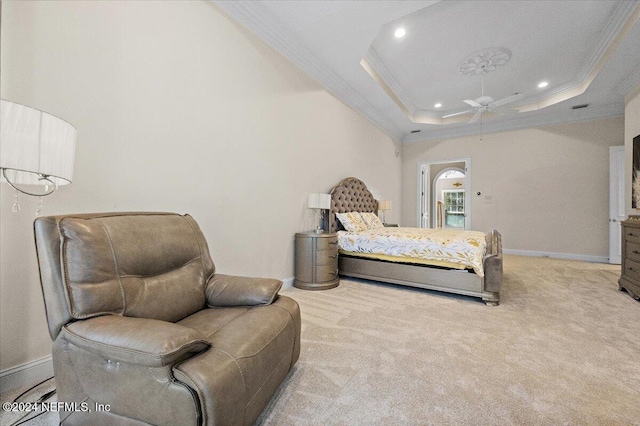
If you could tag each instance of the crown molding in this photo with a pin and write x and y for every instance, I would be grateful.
(376, 62)
(622, 20)
(605, 45)
(517, 123)
(620, 24)
(627, 85)
(623, 13)
(419, 116)
(252, 16)
(632, 94)
(258, 19)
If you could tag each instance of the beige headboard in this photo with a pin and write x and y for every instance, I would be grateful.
(350, 195)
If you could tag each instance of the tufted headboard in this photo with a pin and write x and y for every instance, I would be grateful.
(350, 195)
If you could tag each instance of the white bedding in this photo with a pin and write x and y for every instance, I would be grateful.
(441, 247)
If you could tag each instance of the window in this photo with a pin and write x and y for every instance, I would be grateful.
(453, 208)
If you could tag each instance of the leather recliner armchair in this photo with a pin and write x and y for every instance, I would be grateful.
(145, 332)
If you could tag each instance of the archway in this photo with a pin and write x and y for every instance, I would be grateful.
(459, 198)
(449, 190)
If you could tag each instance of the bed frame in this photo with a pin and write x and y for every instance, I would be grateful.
(351, 194)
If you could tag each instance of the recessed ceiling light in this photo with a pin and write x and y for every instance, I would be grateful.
(543, 84)
(438, 105)
(400, 32)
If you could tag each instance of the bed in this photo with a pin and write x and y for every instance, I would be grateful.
(352, 195)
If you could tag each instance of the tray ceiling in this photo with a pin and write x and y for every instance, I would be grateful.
(587, 51)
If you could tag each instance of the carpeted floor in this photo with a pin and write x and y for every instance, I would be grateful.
(563, 347)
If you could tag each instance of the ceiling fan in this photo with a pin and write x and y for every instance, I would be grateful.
(487, 103)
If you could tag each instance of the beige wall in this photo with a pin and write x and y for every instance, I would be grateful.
(179, 109)
(631, 130)
(549, 186)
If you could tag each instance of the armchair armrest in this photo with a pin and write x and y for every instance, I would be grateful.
(228, 290)
(140, 341)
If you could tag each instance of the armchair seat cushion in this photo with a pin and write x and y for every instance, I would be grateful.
(254, 346)
(208, 321)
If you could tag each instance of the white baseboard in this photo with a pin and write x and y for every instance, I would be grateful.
(287, 282)
(565, 256)
(26, 374)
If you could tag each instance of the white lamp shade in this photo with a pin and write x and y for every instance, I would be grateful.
(319, 201)
(34, 143)
(384, 205)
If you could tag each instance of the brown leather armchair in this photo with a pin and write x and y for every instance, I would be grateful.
(145, 332)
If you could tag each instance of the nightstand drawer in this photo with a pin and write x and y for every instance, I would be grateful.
(632, 269)
(326, 272)
(632, 235)
(327, 257)
(632, 251)
(330, 243)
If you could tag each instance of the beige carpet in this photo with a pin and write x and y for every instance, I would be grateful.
(562, 348)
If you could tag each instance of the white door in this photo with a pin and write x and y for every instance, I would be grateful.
(423, 211)
(467, 196)
(616, 202)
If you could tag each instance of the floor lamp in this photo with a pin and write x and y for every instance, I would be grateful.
(36, 149)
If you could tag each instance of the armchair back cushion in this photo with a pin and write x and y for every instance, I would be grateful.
(146, 265)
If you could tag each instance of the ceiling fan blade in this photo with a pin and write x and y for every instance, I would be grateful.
(506, 100)
(475, 117)
(472, 103)
(458, 113)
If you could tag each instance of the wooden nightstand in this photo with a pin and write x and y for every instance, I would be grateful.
(316, 261)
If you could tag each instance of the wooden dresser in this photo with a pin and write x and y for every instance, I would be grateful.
(630, 278)
(316, 261)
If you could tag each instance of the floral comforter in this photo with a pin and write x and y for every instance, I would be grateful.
(464, 249)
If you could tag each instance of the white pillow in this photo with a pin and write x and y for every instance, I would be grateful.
(352, 221)
(371, 220)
